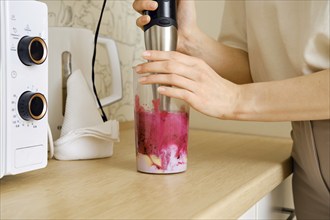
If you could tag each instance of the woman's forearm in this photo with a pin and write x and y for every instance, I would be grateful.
(296, 99)
(230, 63)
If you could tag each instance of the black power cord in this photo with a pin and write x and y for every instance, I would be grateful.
(103, 115)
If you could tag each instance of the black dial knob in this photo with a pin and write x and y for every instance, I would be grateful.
(32, 106)
(32, 50)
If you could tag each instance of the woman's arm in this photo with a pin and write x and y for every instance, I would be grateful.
(296, 99)
(230, 63)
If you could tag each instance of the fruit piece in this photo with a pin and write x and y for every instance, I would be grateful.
(156, 161)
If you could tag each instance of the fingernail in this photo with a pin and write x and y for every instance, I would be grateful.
(153, 4)
(146, 18)
(142, 79)
(161, 89)
(137, 69)
(146, 54)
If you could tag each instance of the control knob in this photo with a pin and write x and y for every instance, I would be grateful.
(32, 50)
(32, 106)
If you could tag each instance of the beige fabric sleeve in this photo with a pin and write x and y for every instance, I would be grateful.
(233, 27)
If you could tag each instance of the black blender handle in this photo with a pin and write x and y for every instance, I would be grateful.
(164, 15)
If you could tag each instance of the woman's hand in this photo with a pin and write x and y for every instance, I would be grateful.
(193, 81)
(144, 5)
(186, 18)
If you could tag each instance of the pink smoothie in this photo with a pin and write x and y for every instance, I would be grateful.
(161, 139)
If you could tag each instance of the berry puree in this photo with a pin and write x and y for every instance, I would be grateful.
(161, 139)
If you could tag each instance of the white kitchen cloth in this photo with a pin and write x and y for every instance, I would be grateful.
(84, 135)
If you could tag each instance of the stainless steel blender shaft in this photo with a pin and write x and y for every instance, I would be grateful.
(161, 38)
(164, 39)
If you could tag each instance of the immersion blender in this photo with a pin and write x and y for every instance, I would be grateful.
(161, 34)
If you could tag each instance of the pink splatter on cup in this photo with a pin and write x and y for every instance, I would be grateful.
(161, 131)
(161, 139)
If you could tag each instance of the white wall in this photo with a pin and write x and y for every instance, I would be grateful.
(209, 14)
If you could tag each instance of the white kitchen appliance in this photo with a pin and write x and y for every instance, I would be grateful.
(71, 49)
(24, 86)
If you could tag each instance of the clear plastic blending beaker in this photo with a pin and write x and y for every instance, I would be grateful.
(161, 131)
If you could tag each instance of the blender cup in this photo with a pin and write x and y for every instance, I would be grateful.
(161, 131)
(161, 123)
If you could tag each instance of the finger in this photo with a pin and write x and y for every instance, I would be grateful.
(178, 93)
(142, 5)
(154, 55)
(142, 21)
(168, 67)
(169, 79)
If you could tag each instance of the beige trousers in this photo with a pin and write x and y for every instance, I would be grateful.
(311, 171)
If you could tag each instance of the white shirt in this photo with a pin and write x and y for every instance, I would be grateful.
(284, 39)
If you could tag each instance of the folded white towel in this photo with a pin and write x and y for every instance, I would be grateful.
(84, 135)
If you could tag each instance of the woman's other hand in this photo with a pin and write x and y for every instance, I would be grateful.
(188, 30)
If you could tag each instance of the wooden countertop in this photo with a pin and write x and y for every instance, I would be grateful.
(227, 173)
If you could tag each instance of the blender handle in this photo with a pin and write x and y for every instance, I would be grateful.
(117, 86)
